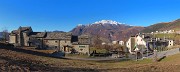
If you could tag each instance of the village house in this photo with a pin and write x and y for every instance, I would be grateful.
(118, 42)
(82, 45)
(135, 41)
(121, 43)
(60, 41)
(103, 43)
(164, 32)
(114, 42)
(147, 43)
(178, 31)
(20, 37)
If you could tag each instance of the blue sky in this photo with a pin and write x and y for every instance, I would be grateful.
(64, 15)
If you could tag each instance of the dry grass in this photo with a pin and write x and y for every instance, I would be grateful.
(19, 61)
(43, 51)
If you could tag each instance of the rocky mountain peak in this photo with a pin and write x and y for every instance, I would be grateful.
(107, 22)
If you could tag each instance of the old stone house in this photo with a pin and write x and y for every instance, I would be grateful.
(20, 37)
(82, 45)
(61, 41)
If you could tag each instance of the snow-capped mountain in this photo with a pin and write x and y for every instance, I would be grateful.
(107, 22)
(109, 30)
(103, 22)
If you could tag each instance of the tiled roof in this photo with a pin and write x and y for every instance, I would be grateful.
(24, 28)
(83, 36)
(37, 34)
(57, 35)
(15, 32)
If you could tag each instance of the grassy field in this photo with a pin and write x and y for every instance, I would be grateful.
(20, 62)
(100, 50)
(172, 36)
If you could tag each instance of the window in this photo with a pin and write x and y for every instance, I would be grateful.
(81, 46)
(55, 41)
(81, 49)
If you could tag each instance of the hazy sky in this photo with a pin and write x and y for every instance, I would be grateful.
(64, 15)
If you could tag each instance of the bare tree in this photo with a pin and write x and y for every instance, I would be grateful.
(5, 34)
(97, 42)
(118, 47)
(107, 47)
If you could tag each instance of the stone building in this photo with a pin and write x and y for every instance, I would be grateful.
(121, 43)
(170, 43)
(81, 48)
(61, 41)
(82, 45)
(20, 37)
(36, 39)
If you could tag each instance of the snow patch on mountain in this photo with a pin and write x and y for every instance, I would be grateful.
(107, 22)
(103, 22)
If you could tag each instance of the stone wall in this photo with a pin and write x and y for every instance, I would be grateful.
(52, 44)
(26, 39)
(82, 48)
(12, 39)
(62, 45)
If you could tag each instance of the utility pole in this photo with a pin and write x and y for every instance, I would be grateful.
(136, 56)
(147, 48)
(5, 34)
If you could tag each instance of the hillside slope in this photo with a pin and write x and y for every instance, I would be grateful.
(174, 25)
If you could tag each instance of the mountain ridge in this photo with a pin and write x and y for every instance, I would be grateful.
(173, 25)
(107, 29)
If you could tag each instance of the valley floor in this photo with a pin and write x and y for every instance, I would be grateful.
(14, 61)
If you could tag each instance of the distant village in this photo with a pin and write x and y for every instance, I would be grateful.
(141, 43)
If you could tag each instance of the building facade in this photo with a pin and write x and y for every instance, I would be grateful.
(61, 41)
(147, 43)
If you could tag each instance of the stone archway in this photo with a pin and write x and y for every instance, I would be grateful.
(67, 48)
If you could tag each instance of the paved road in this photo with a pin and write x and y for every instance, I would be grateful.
(166, 53)
(97, 58)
